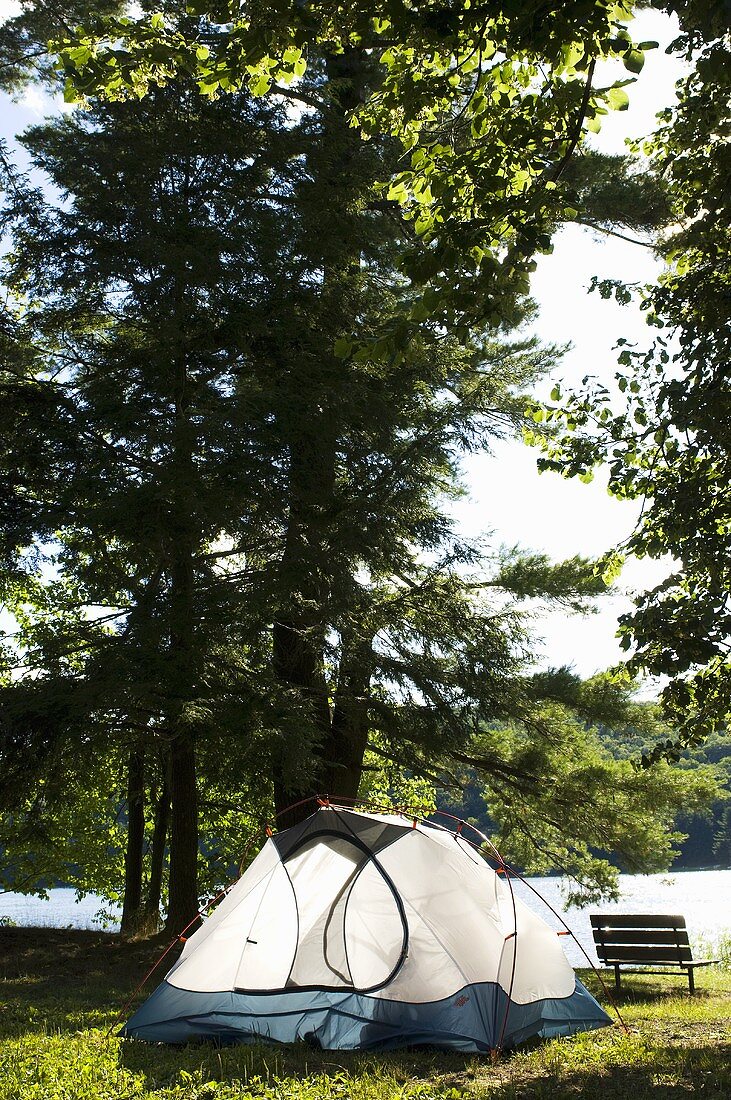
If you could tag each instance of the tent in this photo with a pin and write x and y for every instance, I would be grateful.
(364, 931)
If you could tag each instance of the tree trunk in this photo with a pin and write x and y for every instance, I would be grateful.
(135, 841)
(183, 891)
(157, 858)
(298, 638)
(301, 631)
(349, 733)
(183, 888)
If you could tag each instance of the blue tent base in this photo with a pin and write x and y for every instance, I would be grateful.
(471, 1020)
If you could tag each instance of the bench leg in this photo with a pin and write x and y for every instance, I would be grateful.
(617, 978)
(691, 980)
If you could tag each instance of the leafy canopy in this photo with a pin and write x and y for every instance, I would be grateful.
(487, 104)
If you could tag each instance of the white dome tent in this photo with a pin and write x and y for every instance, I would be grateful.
(356, 930)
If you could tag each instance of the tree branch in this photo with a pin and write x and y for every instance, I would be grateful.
(576, 135)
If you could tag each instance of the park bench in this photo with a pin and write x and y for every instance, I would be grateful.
(644, 940)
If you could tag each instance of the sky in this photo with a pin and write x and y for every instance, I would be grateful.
(506, 496)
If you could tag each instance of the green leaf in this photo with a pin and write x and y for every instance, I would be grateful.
(71, 93)
(634, 61)
(397, 192)
(260, 85)
(618, 99)
(612, 567)
(343, 347)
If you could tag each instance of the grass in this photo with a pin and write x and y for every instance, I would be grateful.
(61, 990)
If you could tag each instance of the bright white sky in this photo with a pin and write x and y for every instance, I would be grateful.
(506, 494)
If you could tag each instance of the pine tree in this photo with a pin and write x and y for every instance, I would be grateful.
(135, 454)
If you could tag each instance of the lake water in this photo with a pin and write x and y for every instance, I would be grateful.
(703, 897)
(61, 910)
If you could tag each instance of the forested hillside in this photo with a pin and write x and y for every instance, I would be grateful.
(704, 838)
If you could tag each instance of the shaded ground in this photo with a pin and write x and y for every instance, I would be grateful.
(61, 990)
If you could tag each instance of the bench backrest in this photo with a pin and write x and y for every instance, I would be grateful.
(640, 938)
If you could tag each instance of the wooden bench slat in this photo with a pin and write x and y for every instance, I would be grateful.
(643, 955)
(641, 935)
(635, 920)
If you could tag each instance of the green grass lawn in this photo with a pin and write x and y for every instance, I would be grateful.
(61, 990)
